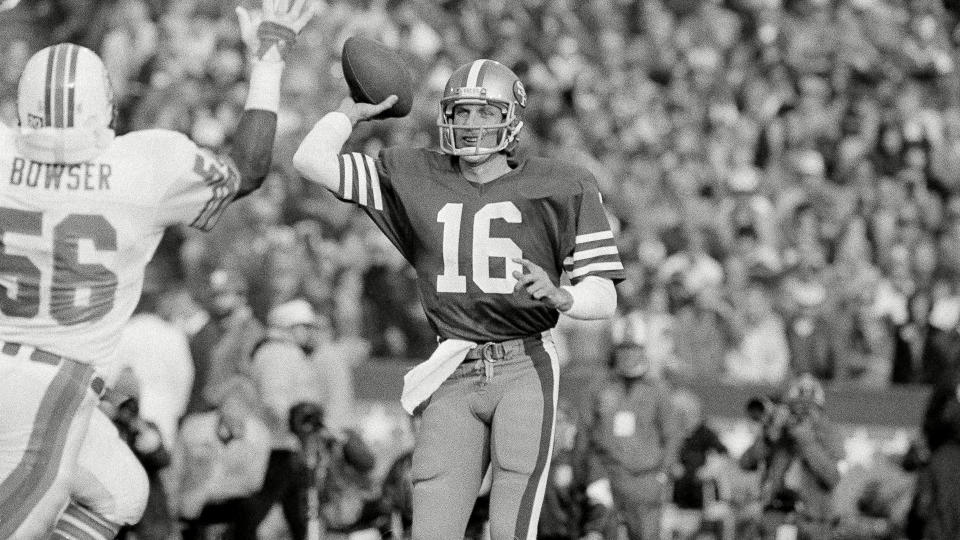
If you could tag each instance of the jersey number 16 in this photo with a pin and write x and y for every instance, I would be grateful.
(484, 248)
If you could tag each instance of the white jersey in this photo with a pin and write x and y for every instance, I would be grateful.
(74, 239)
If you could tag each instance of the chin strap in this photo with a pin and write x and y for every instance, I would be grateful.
(63, 145)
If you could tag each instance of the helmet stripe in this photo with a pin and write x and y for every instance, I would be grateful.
(474, 78)
(59, 76)
(71, 83)
(47, 87)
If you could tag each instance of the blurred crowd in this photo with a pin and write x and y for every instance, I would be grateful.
(783, 175)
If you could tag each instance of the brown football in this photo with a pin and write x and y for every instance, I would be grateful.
(373, 72)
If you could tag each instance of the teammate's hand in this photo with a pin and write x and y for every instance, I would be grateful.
(358, 112)
(535, 282)
(269, 32)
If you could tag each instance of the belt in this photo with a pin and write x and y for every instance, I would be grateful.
(97, 383)
(490, 351)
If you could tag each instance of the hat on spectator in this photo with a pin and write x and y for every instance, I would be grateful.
(292, 313)
(806, 389)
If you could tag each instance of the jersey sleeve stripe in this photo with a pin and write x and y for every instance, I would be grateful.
(362, 178)
(593, 237)
(596, 267)
(223, 195)
(347, 188)
(374, 182)
(224, 187)
(595, 252)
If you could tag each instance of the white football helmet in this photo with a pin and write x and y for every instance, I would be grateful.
(482, 82)
(65, 86)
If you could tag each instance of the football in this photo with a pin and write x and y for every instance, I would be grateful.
(373, 72)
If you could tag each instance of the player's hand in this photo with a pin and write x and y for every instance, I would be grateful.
(8, 4)
(358, 112)
(269, 32)
(535, 282)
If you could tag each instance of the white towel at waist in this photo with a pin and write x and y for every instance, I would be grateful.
(423, 380)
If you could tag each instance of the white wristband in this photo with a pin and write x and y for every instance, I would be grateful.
(593, 298)
(264, 91)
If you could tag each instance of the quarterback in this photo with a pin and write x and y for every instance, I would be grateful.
(81, 213)
(489, 238)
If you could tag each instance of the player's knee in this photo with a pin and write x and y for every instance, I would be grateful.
(122, 494)
(131, 503)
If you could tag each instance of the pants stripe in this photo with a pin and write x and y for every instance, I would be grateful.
(33, 476)
(547, 368)
(72, 530)
(81, 516)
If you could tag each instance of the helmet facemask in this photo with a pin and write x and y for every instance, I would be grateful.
(507, 129)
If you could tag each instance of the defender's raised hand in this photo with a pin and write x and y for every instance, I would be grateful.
(269, 33)
(535, 282)
(358, 112)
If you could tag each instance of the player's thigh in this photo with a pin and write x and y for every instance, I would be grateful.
(109, 479)
(44, 411)
(450, 440)
(522, 427)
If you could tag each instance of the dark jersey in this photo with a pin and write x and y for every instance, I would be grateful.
(461, 237)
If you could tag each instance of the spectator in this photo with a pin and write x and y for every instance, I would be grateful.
(632, 438)
(698, 444)
(220, 462)
(222, 347)
(798, 451)
(762, 355)
(809, 324)
(289, 368)
(873, 500)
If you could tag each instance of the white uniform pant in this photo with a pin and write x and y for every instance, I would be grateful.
(56, 445)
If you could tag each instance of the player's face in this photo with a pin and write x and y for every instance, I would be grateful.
(480, 116)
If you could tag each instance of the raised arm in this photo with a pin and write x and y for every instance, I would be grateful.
(316, 158)
(269, 35)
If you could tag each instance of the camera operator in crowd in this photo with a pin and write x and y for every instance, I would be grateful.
(633, 438)
(220, 462)
(288, 371)
(798, 452)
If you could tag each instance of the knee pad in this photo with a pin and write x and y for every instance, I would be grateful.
(131, 498)
(124, 495)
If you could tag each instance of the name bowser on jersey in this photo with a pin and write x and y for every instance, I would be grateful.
(81, 212)
(489, 238)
